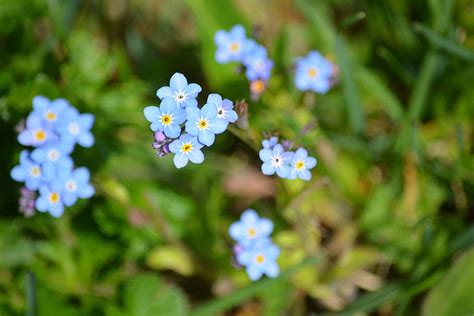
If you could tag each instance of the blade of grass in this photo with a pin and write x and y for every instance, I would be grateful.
(30, 284)
(224, 303)
(353, 104)
(443, 43)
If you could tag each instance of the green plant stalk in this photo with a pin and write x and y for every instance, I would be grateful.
(224, 303)
(30, 285)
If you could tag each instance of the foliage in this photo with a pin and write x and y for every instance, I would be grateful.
(389, 207)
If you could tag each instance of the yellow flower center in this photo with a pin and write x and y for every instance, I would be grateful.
(54, 197)
(299, 165)
(252, 232)
(186, 148)
(51, 116)
(234, 47)
(166, 119)
(203, 123)
(35, 171)
(312, 72)
(260, 258)
(40, 135)
(257, 86)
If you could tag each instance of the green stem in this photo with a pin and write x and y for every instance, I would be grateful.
(30, 284)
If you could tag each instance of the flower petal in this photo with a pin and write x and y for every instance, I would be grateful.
(86, 139)
(310, 162)
(193, 89)
(235, 231)
(218, 126)
(152, 113)
(265, 154)
(254, 273)
(19, 173)
(268, 169)
(164, 92)
(272, 270)
(180, 160)
(178, 82)
(196, 156)
(249, 217)
(207, 138)
(172, 130)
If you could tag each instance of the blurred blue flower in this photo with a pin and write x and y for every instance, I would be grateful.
(75, 127)
(186, 148)
(49, 111)
(204, 123)
(276, 160)
(313, 72)
(270, 143)
(301, 164)
(166, 118)
(54, 158)
(28, 171)
(260, 259)
(75, 184)
(232, 45)
(250, 228)
(36, 132)
(224, 108)
(180, 92)
(50, 199)
(258, 66)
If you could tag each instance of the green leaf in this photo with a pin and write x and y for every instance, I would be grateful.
(453, 295)
(171, 258)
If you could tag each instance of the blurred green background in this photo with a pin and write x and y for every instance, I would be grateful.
(385, 227)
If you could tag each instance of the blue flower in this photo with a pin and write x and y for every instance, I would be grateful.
(224, 108)
(186, 148)
(54, 158)
(313, 72)
(301, 164)
(276, 160)
(28, 171)
(36, 132)
(50, 199)
(76, 185)
(270, 143)
(260, 259)
(250, 228)
(180, 92)
(167, 118)
(204, 123)
(257, 64)
(232, 46)
(49, 111)
(75, 127)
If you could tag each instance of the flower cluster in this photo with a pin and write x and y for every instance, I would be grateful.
(234, 46)
(53, 128)
(314, 72)
(254, 249)
(277, 158)
(181, 127)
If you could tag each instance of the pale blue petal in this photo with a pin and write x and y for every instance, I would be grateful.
(235, 231)
(283, 172)
(209, 111)
(42, 204)
(178, 82)
(244, 258)
(231, 116)
(180, 160)
(265, 227)
(191, 127)
(85, 191)
(172, 130)
(301, 153)
(167, 106)
(222, 56)
(175, 146)
(207, 138)
(218, 126)
(152, 113)
(164, 92)
(196, 156)
(179, 116)
(156, 126)
(265, 154)
(193, 113)
(82, 175)
(214, 98)
(189, 103)
(268, 169)
(221, 38)
(25, 138)
(56, 210)
(249, 217)
(69, 198)
(310, 162)
(254, 273)
(40, 103)
(86, 121)
(86, 139)
(193, 89)
(238, 32)
(19, 173)
(272, 270)
(305, 175)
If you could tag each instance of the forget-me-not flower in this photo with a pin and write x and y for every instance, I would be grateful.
(75, 127)
(232, 45)
(258, 66)
(313, 72)
(36, 133)
(250, 228)
(259, 259)
(49, 111)
(54, 158)
(28, 171)
(180, 92)
(224, 108)
(75, 185)
(186, 148)
(301, 164)
(50, 199)
(204, 123)
(276, 160)
(166, 118)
